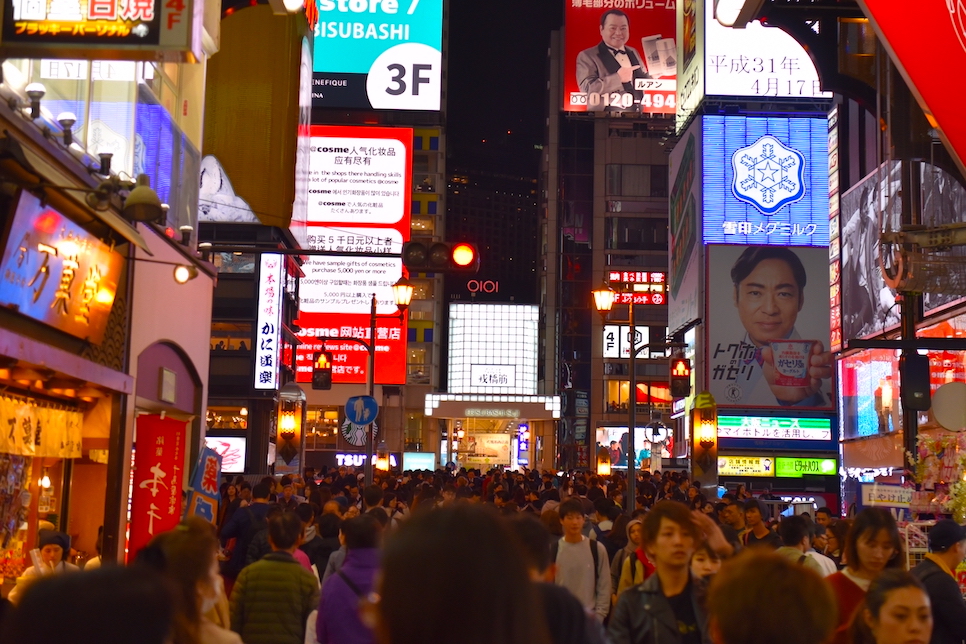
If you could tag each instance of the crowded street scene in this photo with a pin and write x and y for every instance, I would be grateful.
(426, 321)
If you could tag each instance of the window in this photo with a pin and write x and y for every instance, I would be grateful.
(321, 428)
(626, 233)
(423, 289)
(651, 396)
(423, 226)
(227, 336)
(626, 180)
(413, 434)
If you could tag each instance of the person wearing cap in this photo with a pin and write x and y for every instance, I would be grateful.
(54, 546)
(947, 545)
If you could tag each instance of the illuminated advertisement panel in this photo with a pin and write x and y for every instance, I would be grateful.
(86, 29)
(746, 466)
(768, 327)
(775, 428)
(358, 201)
(378, 54)
(765, 180)
(493, 349)
(268, 329)
(796, 468)
(690, 50)
(684, 283)
(620, 59)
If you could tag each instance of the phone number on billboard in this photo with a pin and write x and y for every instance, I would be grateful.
(624, 100)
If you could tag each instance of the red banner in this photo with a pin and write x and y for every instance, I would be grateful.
(926, 40)
(158, 479)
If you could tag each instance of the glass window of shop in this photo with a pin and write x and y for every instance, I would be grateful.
(231, 336)
(413, 434)
(423, 289)
(418, 365)
(321, 429)
(422, 225)
(650, 395)
(229, 418)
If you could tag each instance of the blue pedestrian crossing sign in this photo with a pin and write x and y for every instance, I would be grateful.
(361, 410)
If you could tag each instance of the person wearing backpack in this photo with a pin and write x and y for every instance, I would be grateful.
(636, 567)
(582, 563)
(243, 527)
(635, 537)
(338, 621)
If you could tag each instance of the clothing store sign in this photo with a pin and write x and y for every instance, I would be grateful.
(158, 473)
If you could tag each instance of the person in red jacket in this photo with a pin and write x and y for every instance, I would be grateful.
(872, 545)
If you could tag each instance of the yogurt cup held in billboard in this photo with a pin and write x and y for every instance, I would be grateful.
(792, 360)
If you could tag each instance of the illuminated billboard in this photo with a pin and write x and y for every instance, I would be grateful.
(620, 59)
(493, 349)
(89, 29)
(378, 54)
(359, 202)
(765, 180)
(746, 466)
(684, 207)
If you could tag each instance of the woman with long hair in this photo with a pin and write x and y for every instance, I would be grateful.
(188, 558)
(896, 611)
(872, 546)
(835, 536)
(416, 602)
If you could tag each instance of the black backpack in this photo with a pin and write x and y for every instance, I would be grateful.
(555, 548)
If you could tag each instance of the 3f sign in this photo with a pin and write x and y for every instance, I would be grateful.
(399, 75)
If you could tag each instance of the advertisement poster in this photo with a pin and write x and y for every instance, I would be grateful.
(868, 305)
(157, 479)
(685, 198)
(268, 328)
(487, 450)
(620, 59)
(614, 439)
(768, 327)
(765, 180)
(204, 494)
(359, 202)
(378, 55)
(690, 49)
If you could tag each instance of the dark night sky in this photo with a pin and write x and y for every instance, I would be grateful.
(497, 82)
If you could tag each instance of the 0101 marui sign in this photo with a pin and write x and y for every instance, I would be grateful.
(620, 56)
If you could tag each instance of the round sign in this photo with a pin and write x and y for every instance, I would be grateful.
(949, 406)
(406, 77)
(356, 434)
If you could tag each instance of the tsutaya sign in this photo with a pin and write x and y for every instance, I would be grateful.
(358, 460)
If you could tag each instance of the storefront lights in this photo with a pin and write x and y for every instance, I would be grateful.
(382, 457)
(603, 462)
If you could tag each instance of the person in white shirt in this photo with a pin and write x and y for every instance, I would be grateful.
(582, 564)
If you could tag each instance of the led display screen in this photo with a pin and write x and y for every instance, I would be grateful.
(493, 348)
(765, 180)
(232, 450)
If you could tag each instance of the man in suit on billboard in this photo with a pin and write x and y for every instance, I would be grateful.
(611, 67)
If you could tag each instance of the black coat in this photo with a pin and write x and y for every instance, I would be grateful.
(948, 606)
(643, 615)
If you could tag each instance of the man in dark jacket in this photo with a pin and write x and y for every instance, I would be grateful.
(273, 597)
(338, 621)
(668, 608)
(947, 542)
(243, 527)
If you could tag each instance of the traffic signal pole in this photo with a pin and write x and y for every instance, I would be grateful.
(371, 388)
(632, 415)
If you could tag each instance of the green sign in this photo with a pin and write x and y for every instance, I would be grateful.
(796, 468)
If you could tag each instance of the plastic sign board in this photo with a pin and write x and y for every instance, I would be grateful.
(762, 466)
(798, 467)
(378, 54)
(361, 410)
(886, 496)
(620, 57)
(268, 331)
(775, 428)
(765, 180)
(617, 341)
(94, 29)
(925, 43)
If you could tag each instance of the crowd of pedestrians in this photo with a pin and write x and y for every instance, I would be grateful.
(513, 557)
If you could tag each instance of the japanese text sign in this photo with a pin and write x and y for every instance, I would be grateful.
(775, 428)
(886, 496)
(799, 467)
(56, 272)
(91, 29)
(269, 321)
(157, 479)
(32, 430)
(204, 495)
(746, 466)
(620, 56)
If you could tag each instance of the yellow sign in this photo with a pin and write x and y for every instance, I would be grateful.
(746, 466)
(27, 429)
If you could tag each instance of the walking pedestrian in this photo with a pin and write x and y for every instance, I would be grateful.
(338, 620)
(947, 545)
(582, 564)
(896, 610)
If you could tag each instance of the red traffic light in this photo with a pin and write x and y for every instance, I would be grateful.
(323, 360)
(463, 254)
(681, 369)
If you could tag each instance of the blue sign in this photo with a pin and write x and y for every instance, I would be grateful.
(361, 410)
(204, 494)
(378, 54)
(765, 180)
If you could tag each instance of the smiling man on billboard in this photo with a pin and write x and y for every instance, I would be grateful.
(772, 365)
(611, 66)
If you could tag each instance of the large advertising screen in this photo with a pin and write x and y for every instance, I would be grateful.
(378, 54)
(359, 201)
(765, 180)
(684, 220)
(868, 304)
(493, 348)
(620, 59)
(768, 327)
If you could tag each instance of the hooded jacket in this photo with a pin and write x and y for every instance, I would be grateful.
(617, 564)
(338, 621)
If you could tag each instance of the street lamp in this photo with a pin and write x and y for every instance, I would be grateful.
(704, 424)
(604, 298)
(382, 456)
(603, 461)
(402, 293)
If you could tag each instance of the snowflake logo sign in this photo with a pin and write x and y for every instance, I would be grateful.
(768, 175)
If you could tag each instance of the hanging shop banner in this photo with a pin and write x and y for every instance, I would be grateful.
(157, 479)
(379, 54)
(620, 57)
(746, 466)
(359, 202)
(204, 495)
(56, 272)
(28, 429)
(268, 330)
(94, 29)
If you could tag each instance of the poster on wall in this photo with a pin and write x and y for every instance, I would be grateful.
(620, 59)
(684, 221)
(487, 450)
(157, 479)
(868, 304)
(768, 330)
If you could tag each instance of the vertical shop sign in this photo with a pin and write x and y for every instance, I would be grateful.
(203, 495)
(157, 479)
(267, 331)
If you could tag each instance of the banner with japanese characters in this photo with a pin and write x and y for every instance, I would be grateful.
(268, 330)
(620, 56)
(360, 191)
(28, 429)
(157, 479)
(768, 327)
(203, 494)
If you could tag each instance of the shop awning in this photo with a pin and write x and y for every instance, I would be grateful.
(493, 406)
